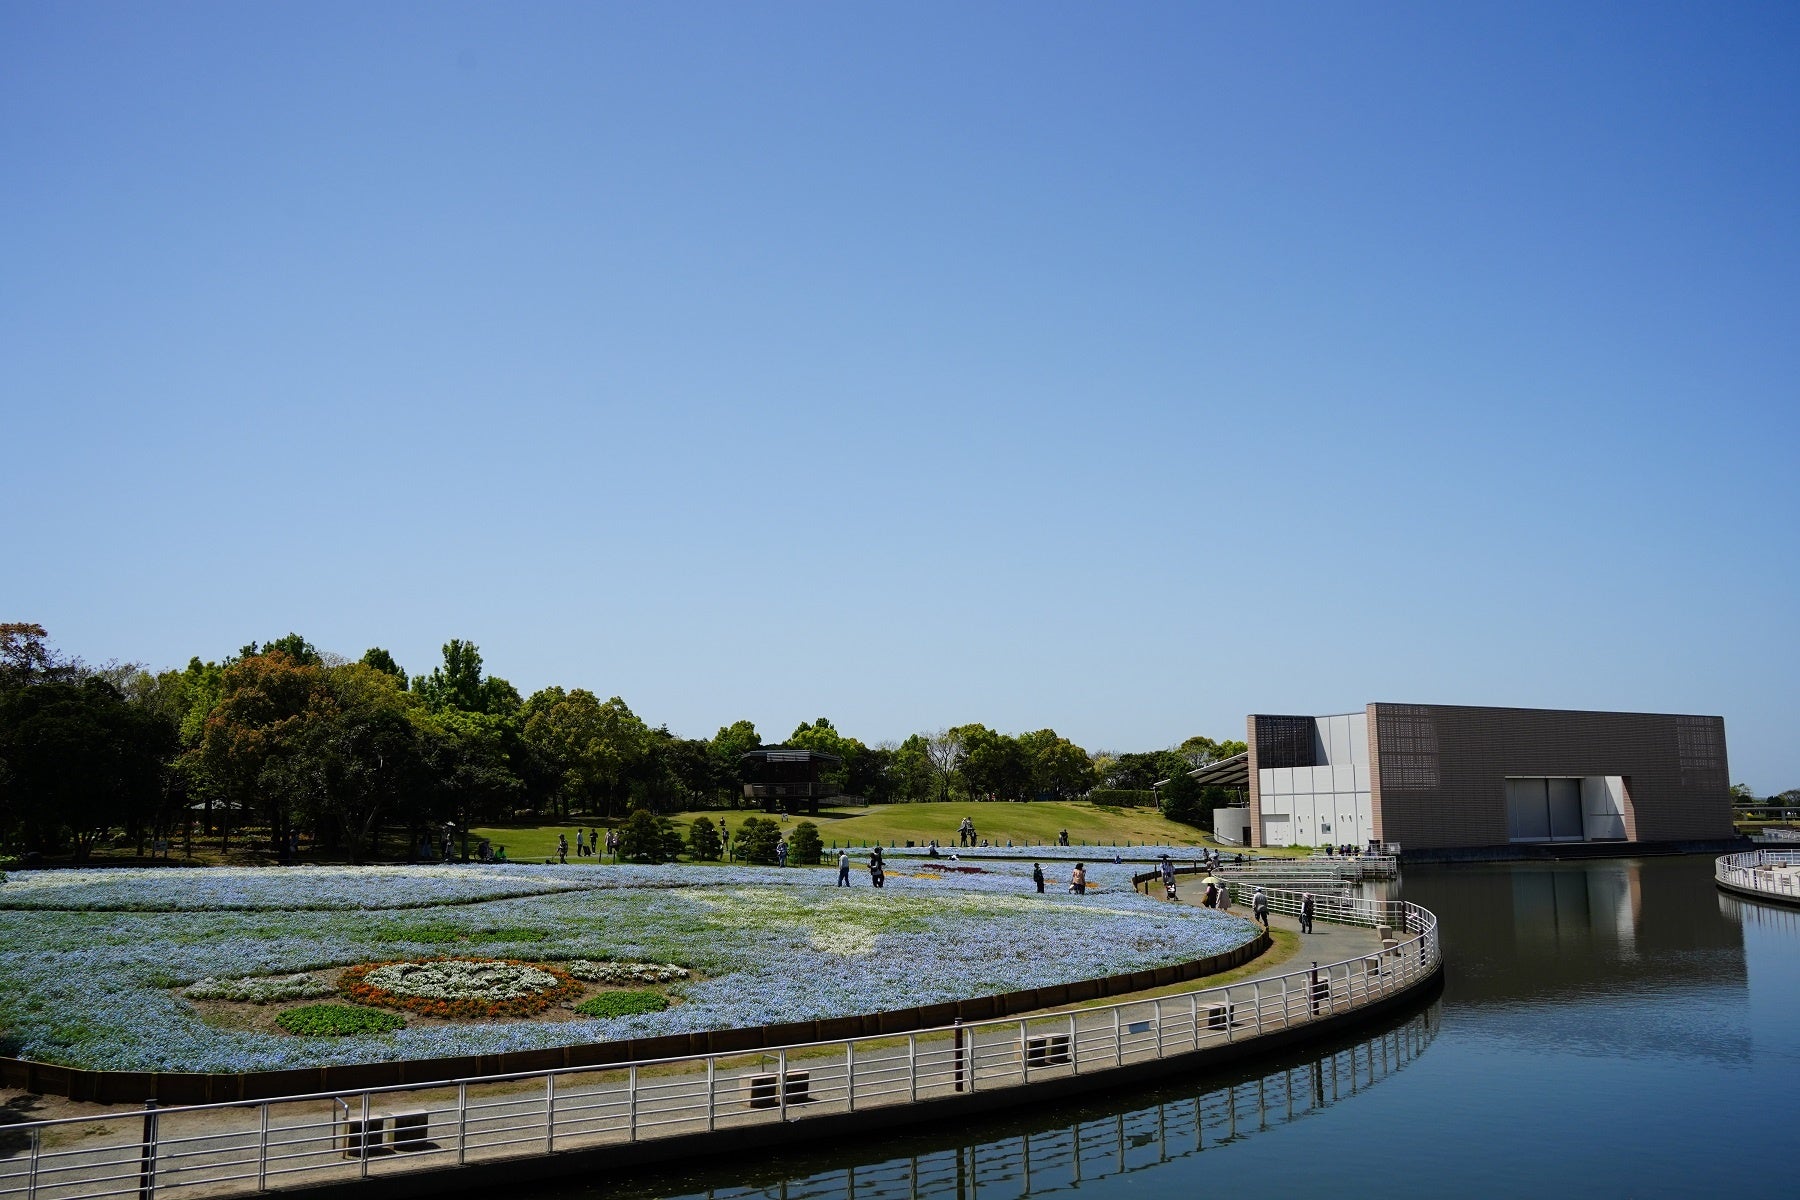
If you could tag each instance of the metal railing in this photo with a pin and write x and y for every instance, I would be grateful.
(246, 1147)
(1768, 871)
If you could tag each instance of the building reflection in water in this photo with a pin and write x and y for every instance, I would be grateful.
(1056, 1149)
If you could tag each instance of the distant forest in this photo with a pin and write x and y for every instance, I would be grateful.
(282, 738)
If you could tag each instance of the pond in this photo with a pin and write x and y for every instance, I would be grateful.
(1612, 1028)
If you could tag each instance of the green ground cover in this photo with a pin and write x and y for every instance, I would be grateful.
(1023, 824)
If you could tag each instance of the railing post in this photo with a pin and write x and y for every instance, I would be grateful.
(549, 1114)
(462, 1123)
(912, 1066)
(956, 1043)
(631, 1104)
(37, 1142)
(780, 1078)
(362, 1147)
(1156, 1015)
(262, 1147)
(1118, 1039)
(147, 1156)
(712, 1095)
(1256, 999)
(850, 1072)
(1024, 1055)
(1074, 1048)
(1194, 1014)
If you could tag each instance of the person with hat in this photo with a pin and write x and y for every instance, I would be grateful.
(1167, 870)
(1259, 907)
(1306, 912)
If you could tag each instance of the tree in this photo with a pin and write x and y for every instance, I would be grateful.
(1059, 769)
(944, 750)
(1198, 750)
(382, 661)
(266, 704)
(593, 746)
(703, 840)
(26, 656)
(77, 760)
(755, 840)
(910, 772)
(728, 747)
(648, 838)
(1181, 800)
(459, 683)
(822, 736)
(993, 764)
(804, 847)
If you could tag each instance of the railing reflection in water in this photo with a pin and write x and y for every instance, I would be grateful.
(1062, 1158)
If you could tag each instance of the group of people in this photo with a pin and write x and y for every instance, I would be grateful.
(965, 833)
(587, 843)
(877, 870)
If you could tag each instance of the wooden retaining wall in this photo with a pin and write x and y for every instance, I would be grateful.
(187, 1087)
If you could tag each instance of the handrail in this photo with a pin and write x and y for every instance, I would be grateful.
(490, 1117)
(1769, 872)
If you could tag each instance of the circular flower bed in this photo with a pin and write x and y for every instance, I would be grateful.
(460, 987)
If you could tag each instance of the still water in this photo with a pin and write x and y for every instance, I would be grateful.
(1616, 1028)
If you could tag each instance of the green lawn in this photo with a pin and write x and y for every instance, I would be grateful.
(1022, 824)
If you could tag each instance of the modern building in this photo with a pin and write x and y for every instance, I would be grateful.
(1451, 777)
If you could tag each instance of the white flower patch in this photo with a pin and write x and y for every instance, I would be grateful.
(459, 979)
(265, 989)
(625, 972)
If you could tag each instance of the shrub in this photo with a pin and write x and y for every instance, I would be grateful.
(338, 1020)
(622, 1004)
(805, 847)
(755, 841)
(648, 838)
(703, 840)
(1122, 797)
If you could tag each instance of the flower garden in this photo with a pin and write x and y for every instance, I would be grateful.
(144, 970)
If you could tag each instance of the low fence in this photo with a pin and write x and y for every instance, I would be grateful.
(1761, 873)
(342, 1137)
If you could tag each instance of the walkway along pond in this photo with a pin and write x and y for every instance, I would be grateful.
(421, 1139)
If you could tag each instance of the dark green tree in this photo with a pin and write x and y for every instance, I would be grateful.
(703, 840)
(755, 840)
(382, 661)
(646, 837)
(804, 847)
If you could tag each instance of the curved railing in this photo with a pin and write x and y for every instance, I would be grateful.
(1759, 872)
(330, 1138)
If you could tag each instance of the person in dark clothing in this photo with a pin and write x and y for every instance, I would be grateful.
(1306, 913)
(1037, 875)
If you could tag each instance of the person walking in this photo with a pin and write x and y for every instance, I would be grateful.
(1211, 899)
(1078, 880)
(1167, 870)
(1306, 913)
(843, 868)
(781, 852)
(562, 848)
(1224, 895)
(580, 843)
(1259, 908)
(877, 871)
(1037, 876)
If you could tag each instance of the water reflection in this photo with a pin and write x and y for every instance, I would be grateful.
(1058, 1149)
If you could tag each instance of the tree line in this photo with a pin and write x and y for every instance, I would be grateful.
(283, 738)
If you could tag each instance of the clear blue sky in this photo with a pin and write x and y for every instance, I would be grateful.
(1116, 368)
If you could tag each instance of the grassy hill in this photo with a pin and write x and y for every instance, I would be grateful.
(1022, 824)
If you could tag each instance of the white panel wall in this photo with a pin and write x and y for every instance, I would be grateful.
(1359, 740)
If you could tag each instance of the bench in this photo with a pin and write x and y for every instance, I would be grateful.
(384, 1133)
(1048, 1050)
(764, 1094)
